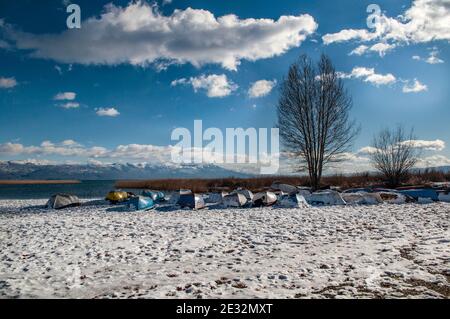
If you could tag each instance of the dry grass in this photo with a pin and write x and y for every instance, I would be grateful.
(37, 182)
(260, 183)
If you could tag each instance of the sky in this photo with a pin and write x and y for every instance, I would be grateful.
(113, 90)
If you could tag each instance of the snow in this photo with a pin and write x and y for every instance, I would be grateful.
(101, 251)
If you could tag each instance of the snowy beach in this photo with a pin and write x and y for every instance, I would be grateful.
(100, 251)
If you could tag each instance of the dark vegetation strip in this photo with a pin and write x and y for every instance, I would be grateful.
(261, 183)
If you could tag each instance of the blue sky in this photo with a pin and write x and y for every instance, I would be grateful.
(132, 81)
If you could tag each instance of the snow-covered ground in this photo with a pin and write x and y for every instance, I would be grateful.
(99, 251)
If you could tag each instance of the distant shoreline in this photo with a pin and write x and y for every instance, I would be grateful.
(38, 182)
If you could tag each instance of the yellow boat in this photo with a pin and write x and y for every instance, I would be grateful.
(117, 197)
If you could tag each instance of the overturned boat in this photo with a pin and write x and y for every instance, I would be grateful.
(292, 201)
(325, 198)
(234, 200)
(61, 201)
(190, 200)
(155, 196)
(215, 198)
(247, 194)
(444, 196)
(115, 197)
(362, 198)
(264, 199)
(285, 188)
(424, 193)
(357, 190)
(392, 197)
(141, 203)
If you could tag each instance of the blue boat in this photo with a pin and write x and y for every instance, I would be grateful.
(421, 193)
(141, 203)
(156, 196)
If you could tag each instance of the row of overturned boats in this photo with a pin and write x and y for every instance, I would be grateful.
(278, 195)
(282, 195)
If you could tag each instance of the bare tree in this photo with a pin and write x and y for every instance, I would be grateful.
(393, 153)
(313, 116)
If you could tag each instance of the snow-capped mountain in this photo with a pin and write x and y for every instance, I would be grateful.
(11, 170)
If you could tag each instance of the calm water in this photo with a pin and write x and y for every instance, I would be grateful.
(86, 189)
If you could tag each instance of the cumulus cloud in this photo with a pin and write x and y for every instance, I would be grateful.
(7, 83)
(424, 21)
(70, 105)
(359, 50)
(215, 85)
(65, 96)
(437, 145)
(433, 161)
(109, 112)
(139, 34)
(369, 75)
(414, 87)
(367, 150)
(261, 88)
(65, 148)
(380, 48)
(433, 57)
(347, 35)
(71, 148)
(70, 143)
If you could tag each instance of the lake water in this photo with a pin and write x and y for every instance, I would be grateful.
(85, 189)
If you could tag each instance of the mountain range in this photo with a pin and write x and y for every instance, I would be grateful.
(11, 170)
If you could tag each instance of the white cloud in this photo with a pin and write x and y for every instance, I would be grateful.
(70, 143)
(110, 112)
(347, 35)
(414, 87)
(139, 34)
(434, 161)
(437, 145)
(7, 83)
(432, 58)
(367, 150)
(49, 148)
(11, 148)
(381, 48)
(424, 21)
(359, 50)
(70, 105)
(261, 88)
(369, 75)
(65, 96)
(214, 85)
